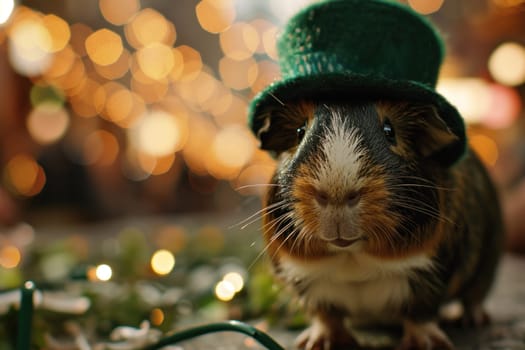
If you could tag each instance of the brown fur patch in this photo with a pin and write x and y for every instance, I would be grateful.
(279, 132)
(415, 125)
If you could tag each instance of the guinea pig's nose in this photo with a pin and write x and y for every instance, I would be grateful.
(323, 198)
(352, 198)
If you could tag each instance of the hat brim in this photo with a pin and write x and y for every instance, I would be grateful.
(356, 86)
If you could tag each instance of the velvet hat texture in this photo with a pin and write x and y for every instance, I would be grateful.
(360, 49)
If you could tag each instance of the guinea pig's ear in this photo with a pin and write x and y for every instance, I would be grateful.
(435, 139)
(278, 128)
(269, 133)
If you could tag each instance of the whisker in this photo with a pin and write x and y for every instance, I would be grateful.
(421, 186)
(272, 223)
(276, 99)
(255, 216)
(432, 213)
(257, 186)
(290, 235)
(427, 181)
(417, 202)
(263, 213)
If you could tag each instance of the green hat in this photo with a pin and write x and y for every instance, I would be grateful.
(360, 48)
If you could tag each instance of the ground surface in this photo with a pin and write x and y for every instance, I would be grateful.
(506, 306)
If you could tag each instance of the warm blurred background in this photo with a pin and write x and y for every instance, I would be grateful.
(117, 109)
(120, 107)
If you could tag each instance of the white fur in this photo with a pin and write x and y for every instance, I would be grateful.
(342, 158)
(336, 175)
(367, 287)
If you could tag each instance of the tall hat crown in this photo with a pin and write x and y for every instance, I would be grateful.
(359, 49)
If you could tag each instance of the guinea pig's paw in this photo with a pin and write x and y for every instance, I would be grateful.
(475, 316)
(320, 336)
(424, 336)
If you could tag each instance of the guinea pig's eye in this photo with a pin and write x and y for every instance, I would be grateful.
(388, 130)
(300, 132)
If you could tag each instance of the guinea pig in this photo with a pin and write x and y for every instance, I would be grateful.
(368, 227)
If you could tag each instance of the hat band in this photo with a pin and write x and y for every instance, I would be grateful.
(322, 63)
(311, 64)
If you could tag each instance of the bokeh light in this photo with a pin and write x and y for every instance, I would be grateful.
(238, 75)
(58, 31)
(471, 97)
(253, 179)
(118, 12)
(24, 175)
(285, 9)
(157, 316)
(426, 7)
(215, 16)
(10, 256)
(101, 148)
(235, 279)
(62, 63)
(79, 33)
(192, 65)
(504, 109)
(103, 272)
(268, 72)
(104, 47)
(162, 262)
(119, 102)
(116, 69)
(88, 98)
(30, 46)
(150, 26)
(485, 147)
(198, 143)
(507, 64)
(157, 134)
(225, 290)
(69, 77)
(6, 9)
(240, 41)
(47, 123)
(156, 60)
(233, 146)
